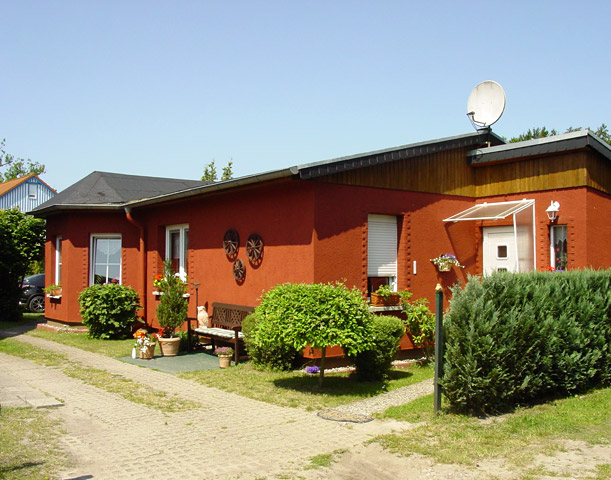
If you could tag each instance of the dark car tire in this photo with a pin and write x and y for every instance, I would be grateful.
(37, 304)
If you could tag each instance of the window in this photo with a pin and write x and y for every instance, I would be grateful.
(105, 259)
(381, 251)
(501, 251)
(58, 260)
(558, 250)
(32, 190)
(177, 246)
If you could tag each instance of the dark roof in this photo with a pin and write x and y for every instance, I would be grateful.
(540, 146)
(111, 191)
(342, 164)
(104, 190)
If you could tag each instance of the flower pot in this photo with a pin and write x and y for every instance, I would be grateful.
(224, 361)
(147, 352)
(378, 300)
(56, 292)
(169, 346)
(444, 267)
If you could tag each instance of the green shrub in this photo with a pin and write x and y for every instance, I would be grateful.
(513, 338)
(293, 316)
(172, 308)
(109, 310)
(374, 363)
(420, 323)
(266, 350)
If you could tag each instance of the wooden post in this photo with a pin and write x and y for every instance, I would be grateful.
(438, 346)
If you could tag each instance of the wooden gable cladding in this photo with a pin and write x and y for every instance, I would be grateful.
(449, 173)
(443, 172)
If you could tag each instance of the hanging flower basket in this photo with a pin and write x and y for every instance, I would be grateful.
(445, 262)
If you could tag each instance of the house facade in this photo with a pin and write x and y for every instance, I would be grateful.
(369, 219)
(25, 193)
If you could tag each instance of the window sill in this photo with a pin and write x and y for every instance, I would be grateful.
(157, 294)
(389, 308)
(53, 296)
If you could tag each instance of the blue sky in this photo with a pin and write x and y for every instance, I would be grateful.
(162, 88)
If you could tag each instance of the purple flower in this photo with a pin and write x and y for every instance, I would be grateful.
(312, 370)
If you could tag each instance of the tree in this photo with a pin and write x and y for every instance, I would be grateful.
(602, 132)
(210, 173)
(17, 167)
(22, 239)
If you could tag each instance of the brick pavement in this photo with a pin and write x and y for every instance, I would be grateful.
(229, 436)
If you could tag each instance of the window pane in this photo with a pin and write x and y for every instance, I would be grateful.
(501, 251)
(114, 250)
(99, 274)
(101, 250)
(560, 247)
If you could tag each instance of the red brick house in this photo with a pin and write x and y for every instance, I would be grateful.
(376, 217)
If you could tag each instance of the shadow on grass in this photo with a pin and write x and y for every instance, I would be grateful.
(339, 384)
(27, 323)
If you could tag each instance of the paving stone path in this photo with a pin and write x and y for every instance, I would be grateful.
(227, 436)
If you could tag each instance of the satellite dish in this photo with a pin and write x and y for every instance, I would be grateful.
(486, 104)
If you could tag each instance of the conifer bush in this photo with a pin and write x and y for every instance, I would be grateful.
(513, 338)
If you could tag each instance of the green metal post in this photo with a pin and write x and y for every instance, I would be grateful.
(438, 346)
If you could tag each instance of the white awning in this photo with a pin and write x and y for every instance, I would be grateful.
(490, 211)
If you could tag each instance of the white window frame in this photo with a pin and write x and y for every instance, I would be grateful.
(183, 230)
(32, 191)
(93, 238)
(58, 260)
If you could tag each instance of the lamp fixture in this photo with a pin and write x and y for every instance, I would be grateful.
(552, 210)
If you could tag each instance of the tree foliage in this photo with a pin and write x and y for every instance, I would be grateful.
(294, 316)
(17, 167)
(22, 239)
(210, 173)
(601, 132)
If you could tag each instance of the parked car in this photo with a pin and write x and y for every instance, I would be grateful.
(32, 294)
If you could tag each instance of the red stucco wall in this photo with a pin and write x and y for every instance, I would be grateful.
(313, 232)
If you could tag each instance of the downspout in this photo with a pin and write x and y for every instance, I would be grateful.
(129, 217)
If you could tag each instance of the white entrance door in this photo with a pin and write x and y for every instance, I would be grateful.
(499, 250)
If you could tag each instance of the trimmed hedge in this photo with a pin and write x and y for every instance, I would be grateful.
(513, 338)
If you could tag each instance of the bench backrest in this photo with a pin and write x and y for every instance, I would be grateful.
(229, 316)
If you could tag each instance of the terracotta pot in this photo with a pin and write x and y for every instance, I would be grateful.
(169, 346)
(225, 361)
(148, 352)
(378, 300)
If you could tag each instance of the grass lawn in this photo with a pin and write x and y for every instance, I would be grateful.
(515, 437)
(296, 389)
(109, 348)
(29, 448)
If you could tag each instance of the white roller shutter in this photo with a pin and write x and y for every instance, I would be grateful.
(382, 246)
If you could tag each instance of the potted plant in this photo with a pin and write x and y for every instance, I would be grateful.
(445, 262)
(53, 290)
(145, 344)
(385, 296)
(158, 283)
(171, 311)
(224, 354)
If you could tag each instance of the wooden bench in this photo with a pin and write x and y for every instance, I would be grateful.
(226, 325)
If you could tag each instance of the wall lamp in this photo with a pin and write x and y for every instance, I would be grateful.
(552, 210)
